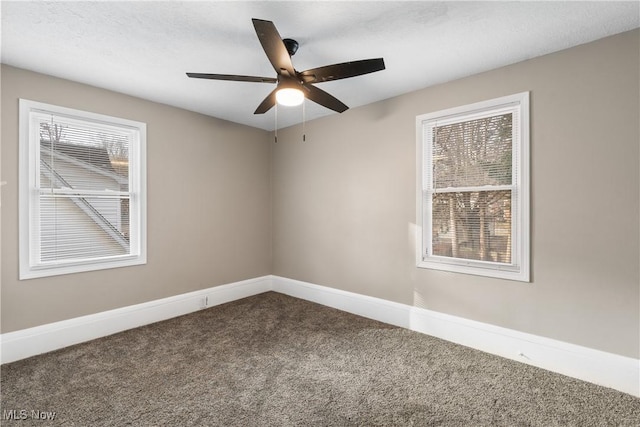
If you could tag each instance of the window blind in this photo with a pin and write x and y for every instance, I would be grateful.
(471, 185)
(82, 206)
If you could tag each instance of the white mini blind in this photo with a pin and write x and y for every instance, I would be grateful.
(85, 201)
(471, 186)
(83, 189)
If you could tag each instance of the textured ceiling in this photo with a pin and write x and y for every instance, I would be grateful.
(145, 48)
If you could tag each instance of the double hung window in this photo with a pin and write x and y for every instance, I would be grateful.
(473, 189)
(82, 191)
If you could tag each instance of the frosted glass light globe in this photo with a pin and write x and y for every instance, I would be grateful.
(289, 97)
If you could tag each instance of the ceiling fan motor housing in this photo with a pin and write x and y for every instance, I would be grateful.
(291, 45)
(289, 82)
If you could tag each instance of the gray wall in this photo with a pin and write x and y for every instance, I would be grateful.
(344, 204)
(208, 206)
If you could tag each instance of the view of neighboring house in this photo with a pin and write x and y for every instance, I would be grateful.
(72, 176)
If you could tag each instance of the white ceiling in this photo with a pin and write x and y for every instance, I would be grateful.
(145, 48)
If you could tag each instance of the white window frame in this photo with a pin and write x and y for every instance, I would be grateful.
(519, 268)
(29, 160)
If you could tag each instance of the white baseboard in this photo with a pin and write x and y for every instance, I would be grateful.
(587, 364)
(41, 339)
(373, 308)
(595, 366)
(599, 367)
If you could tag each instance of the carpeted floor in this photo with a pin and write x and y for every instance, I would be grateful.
(273, 360)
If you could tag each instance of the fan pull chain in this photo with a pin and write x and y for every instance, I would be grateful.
(276, 130)
(304, 133)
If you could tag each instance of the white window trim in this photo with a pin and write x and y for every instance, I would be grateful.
(28, 174)
(521, 228)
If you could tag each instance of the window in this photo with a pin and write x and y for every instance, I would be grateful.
(82, 191)
(473, 188)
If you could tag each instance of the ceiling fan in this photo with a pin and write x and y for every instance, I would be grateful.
(293, 86)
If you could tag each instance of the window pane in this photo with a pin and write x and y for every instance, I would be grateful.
(74, 228)
(472, 225)
(473, 153)
(83, 157)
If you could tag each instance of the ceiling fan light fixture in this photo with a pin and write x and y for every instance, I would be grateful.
(289, 97)
(294, 86)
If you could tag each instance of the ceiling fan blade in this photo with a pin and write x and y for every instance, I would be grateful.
(233, 77)
(267, 103)
(274, 47)
(343, 70)
(323, 98)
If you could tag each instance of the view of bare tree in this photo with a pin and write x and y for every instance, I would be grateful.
(471, 206)
(50, 132)
(117, 146)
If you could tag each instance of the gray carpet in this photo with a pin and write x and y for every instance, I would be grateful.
(273, 360)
